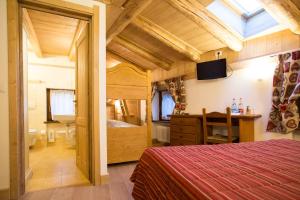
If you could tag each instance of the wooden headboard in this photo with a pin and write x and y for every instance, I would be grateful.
(125, 81)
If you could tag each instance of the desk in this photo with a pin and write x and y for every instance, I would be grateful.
(183, 126)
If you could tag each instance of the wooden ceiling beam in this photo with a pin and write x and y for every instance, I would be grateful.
(141, 51)
(31, 34)
(121, 58)
(108, 2)
(285, 12)
(80, 27)
(131, 9)
(167, 38)
(194, 10)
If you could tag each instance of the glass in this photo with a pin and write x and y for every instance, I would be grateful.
(167, 105)
(126, 112)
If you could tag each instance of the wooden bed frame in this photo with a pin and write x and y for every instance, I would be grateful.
(125, 81)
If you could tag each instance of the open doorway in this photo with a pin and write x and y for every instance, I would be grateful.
(56, 100)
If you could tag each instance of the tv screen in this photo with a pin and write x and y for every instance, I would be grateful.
(211, 70)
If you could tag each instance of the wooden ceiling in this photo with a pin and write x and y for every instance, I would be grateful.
(158, 33)
(54, 33)
(167, 17)
(151, 33)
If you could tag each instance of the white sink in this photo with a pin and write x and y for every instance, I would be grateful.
(66, 119)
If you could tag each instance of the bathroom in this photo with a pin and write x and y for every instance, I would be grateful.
(49, 83)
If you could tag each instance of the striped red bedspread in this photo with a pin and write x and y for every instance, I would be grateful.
(255, 170)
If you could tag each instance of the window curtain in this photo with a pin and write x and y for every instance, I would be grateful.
(176, 88)
(62, 102)
(284, 115)
(154, 89)
(168, 105)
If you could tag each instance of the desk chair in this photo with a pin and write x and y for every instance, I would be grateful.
(217, 119)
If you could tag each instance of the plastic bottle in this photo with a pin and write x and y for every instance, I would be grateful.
(241, 106)
(234, 108)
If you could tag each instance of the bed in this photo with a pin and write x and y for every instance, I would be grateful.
(254, 170)
(129, 133)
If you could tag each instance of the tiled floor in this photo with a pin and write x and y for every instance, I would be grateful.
(118, 188)
(53, 166)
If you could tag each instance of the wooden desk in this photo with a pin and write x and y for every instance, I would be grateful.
(180, 126)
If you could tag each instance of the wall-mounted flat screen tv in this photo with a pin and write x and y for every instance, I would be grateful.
(212, 69)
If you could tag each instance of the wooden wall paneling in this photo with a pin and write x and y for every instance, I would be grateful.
(285, 12)
(181, 68)
(267, 45)
(131, 9)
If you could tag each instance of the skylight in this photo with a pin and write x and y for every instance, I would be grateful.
(246, 18)
(246, 7)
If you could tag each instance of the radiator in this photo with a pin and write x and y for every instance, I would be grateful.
(161, 133)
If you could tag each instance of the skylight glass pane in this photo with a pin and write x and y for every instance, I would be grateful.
(247, 7)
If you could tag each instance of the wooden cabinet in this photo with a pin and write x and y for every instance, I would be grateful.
(185, 130)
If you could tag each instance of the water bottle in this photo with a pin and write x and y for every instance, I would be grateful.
(234, 108)
(241, 106)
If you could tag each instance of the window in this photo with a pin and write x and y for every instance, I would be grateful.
(167, 105)
(246, 7)
(245, 18)
(60, 102)
(162, 106)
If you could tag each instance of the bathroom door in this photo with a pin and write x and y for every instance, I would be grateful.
(82, 106)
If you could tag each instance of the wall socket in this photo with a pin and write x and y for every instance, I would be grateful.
(218, 54)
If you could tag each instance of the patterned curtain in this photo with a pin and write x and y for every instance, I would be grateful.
(176, 88)
(284, 115)
(154, 89)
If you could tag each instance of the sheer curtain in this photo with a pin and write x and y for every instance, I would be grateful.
(62, 102)
(168, 105)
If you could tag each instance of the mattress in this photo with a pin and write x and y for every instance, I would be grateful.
(254, 170)
(116, 123)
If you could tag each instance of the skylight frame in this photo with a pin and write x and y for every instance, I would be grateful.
(259, 22)
(241, 8)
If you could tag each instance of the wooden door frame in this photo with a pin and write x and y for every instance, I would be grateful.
(15, 85)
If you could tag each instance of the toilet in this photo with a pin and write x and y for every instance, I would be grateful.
(32, 136)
